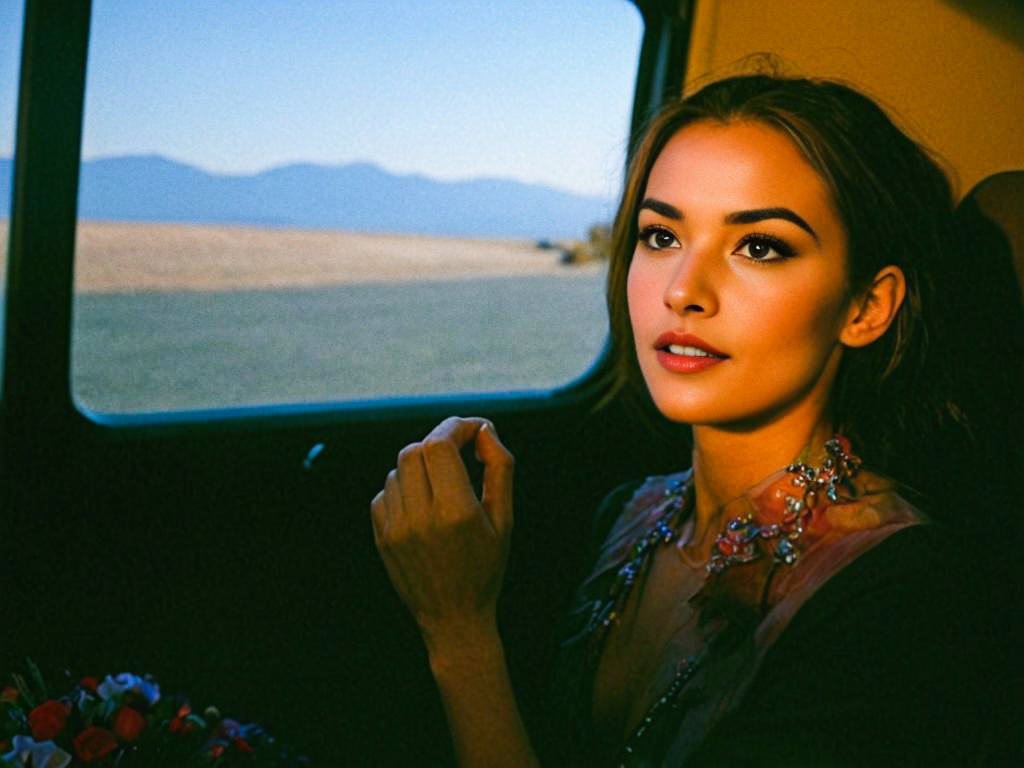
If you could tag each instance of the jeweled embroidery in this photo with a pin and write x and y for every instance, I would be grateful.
(737, 543)
(664, 531)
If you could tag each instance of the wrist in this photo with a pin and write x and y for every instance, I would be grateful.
(464, 646)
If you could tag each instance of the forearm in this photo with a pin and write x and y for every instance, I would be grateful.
(472, 676)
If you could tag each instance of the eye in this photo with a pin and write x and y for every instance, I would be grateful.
(764, 248)
(657, 238)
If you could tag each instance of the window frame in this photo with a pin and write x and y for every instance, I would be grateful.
(37, 406)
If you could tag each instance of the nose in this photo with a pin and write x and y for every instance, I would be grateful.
(691, 285)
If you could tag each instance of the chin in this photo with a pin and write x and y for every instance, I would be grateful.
(713, 407)
(689, 402)
(688, 412)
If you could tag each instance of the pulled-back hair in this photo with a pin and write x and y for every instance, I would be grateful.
(896, 207)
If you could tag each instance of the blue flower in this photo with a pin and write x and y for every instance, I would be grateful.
(115, 686)
(38, 754)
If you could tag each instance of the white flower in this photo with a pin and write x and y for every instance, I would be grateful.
(113, 686)
(83, 698)
(38, 754)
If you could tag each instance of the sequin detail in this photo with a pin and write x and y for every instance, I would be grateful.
(737, 543)
(667, 701)
(664, 531)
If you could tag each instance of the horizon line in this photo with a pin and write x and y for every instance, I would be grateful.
(337, 165)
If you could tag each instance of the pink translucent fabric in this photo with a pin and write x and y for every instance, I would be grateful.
(731, 619)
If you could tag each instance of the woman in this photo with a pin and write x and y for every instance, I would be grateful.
(773, 284)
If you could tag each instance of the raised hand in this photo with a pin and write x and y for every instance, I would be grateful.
(445, 550)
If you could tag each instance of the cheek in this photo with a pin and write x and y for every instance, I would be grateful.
(642, 295)
(819, 314)
(801, 327)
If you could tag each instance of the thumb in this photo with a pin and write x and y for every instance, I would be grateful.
(498, 466)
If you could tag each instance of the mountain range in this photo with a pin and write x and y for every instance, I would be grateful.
(356, 196)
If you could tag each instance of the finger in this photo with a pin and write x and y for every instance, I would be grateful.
(449, 480)
(499, 465)
(457, 429)
(379, 517)
(412, 479)
(393, 500)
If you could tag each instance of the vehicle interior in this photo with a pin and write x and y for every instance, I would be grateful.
(228, 550)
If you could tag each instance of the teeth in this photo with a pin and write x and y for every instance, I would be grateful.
(676, 349)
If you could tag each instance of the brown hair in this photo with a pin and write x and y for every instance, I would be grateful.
(896, 206)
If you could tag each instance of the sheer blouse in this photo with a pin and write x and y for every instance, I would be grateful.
(862, 646)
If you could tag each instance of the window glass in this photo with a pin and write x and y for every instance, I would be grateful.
(10, 57)
(302, 201)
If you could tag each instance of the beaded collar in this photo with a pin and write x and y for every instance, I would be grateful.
(737, 543)
(743, 539)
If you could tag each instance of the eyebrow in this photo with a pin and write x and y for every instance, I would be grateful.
(739, 217)
(762, 214)
(666, 210)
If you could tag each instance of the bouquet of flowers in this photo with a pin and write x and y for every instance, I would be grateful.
(123, 720)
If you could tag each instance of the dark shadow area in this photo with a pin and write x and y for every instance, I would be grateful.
(254, 584)
(1003, 18)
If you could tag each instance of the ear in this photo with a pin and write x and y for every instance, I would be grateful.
(872, 312)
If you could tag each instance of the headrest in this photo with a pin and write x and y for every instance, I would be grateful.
(1000, 199)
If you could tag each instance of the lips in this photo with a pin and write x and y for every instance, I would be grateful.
(686, 353)
(687, 344)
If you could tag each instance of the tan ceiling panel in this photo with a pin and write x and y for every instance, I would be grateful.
(950, 72)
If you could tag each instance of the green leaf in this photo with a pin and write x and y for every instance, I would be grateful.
(37, 678)
(106, 709)
(23, 690)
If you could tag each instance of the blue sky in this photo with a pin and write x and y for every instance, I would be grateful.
(537, 90)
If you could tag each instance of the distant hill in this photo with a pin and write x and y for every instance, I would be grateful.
(358, 196)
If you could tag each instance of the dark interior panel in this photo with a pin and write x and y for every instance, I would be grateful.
(222, 565)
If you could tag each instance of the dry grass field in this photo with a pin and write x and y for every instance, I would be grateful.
(132, 257)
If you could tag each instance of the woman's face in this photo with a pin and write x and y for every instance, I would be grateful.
(737, 289)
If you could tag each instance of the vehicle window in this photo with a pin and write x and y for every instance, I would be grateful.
(292, 202)
(11, 15)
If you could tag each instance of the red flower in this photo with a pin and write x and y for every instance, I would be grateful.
(89, 683)
(243, 746)
(128, 724)
(178, 721)
(94, 743)
(216, 750)
(48, 719)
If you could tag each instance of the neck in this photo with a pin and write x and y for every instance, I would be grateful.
(727, 463)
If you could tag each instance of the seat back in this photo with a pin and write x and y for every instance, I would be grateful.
(1000, 198)
(991, 218)
(988, 348)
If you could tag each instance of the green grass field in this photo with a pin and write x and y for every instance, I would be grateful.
(144, 352)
